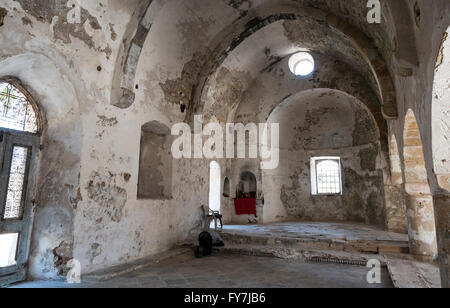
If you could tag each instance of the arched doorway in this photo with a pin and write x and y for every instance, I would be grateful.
(19, 147)
(214, 187)
(422, 229)
(247, 187)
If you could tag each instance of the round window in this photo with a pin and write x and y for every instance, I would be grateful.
(301, 64)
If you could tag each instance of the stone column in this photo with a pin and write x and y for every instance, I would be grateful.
(442, 212)
(396, 209)
(422, 228)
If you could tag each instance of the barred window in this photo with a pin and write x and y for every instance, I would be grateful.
(326, 176)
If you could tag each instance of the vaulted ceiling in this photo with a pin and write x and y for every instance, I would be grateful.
(231, 42)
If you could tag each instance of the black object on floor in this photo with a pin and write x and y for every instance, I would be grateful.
(207, 240)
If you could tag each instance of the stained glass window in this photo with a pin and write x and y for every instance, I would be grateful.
(16, 112)
(16, 184)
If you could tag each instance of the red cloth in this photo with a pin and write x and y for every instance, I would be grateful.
(245, 206)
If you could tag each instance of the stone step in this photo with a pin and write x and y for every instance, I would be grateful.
(307, 243)
(295, 254)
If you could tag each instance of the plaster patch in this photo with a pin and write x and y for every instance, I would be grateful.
(62, 255)
(180, 91)
(56, 12)
(102, 189)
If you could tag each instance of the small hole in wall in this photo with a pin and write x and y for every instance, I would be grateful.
(3, 14)
(417, 13)
(137, 87)
(99, 68)
(183, 108)
(394, 44)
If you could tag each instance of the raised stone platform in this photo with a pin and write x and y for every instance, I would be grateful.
(317, 236)
(351, 244)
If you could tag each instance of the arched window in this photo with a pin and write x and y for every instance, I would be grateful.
(214, 187)
(16, 110)
(19, 146)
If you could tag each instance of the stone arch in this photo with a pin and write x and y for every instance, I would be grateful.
(394, 192)
(123, 86)
(265, 15)
(405, 41)
(420, 211)
(231, 37)
(332, 75)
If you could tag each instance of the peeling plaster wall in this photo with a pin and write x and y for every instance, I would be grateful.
(88, 207)
(265, 53)
(58, 192)
(64, 64)
(325, 123)
(87, 183)
(395, 195)
(153, 225)
(285, 193)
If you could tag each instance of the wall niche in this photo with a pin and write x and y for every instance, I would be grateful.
(155, 163)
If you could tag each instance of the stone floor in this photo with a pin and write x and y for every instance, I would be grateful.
(407, 274)
(332, 231)
(233, 271)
